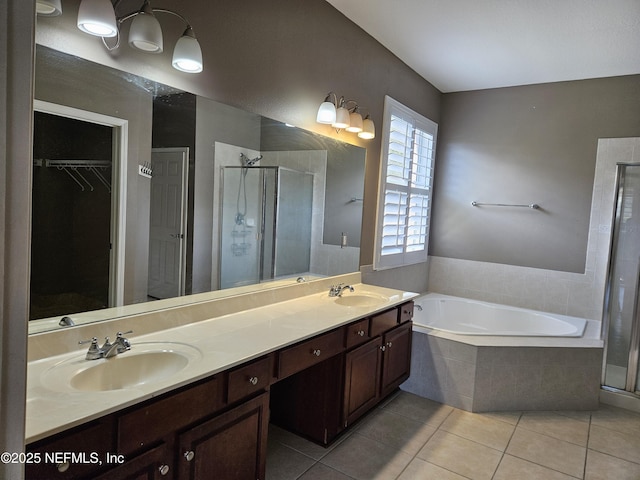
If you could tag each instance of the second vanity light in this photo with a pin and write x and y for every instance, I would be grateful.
(98, 17)
(344, 114)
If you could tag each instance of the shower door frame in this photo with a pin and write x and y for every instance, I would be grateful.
(631, 380)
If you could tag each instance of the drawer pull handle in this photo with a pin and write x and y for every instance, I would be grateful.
(361, 333)
(164, 469)
(253, 380)
(63, 467)
(189, 455)
(317, 352)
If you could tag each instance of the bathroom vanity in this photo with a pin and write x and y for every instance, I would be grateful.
(314, 370)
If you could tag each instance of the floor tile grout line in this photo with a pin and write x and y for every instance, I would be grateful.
(586, 453)
(427, 441)
(539, 464)
(504, 452)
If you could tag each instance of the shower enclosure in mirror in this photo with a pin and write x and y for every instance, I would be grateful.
(266, 224)
(623, 339)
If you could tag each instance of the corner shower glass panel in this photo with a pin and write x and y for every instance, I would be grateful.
(621, 367)
(265, 224)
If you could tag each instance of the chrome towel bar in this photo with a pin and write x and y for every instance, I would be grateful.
(534, 206)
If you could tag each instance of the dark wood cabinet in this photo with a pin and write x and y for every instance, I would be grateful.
(362, 379)
(231, 446)
(91, 438)
(154, 464)
(216, 428)
(321, 401)
(310, 352)
(396, 359)
(305, 403)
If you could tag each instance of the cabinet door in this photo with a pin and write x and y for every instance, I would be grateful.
(155, 464)
(396, 362)
(231, 446)
(362, 379)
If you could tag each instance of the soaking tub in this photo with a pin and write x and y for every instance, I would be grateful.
(481, 356)
(472, 317)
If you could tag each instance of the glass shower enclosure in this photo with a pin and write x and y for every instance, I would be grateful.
(265, 223)
(621, 370)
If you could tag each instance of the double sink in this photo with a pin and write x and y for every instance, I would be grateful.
(152, 362)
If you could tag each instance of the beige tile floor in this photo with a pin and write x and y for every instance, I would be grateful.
(410, 438)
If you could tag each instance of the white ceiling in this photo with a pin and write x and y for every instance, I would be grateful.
(475, 44)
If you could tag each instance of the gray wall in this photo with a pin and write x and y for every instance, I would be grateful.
(530, 144)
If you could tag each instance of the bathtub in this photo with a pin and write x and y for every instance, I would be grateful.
(471, 317)
(480, 356)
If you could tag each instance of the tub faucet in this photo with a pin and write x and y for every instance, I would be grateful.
(338, 290)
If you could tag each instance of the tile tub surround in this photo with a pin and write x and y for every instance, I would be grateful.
(574, 294)
(481, 378)
(224, 341)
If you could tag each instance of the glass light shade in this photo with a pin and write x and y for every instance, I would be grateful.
(326, 113)
(368, 129)
(342, 118)
(145, 33)
(187, 55)
(49, 8)
(97, 17)
(355, 123)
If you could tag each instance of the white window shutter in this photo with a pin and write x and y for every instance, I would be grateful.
(404, 208)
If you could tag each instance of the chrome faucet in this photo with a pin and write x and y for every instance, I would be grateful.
(338, 290)
(108, 349)
(121, 345)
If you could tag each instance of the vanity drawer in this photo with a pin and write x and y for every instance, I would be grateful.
(357, 333)
(248, 379)
(383, 321)
(406, 312)
(310, 352)
(89, 439)
(150, 423)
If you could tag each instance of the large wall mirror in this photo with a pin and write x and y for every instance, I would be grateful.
(143, 194)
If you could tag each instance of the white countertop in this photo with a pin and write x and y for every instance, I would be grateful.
(223, 342)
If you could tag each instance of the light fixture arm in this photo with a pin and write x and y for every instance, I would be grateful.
(351, 109)
(124, 18)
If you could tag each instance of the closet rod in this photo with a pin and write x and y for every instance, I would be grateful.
(45, 162)
(534, 206)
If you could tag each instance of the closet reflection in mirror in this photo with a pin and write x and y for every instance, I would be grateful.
(168, 217)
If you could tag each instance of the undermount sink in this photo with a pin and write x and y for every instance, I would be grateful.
(145, 363)
(361, 300)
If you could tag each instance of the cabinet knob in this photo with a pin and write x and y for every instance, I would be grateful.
(189, 455)
(317, 352)
(253, 380)
(383, 347)
(164, 469)
(63, 467)
(389, 344)
(361, 333)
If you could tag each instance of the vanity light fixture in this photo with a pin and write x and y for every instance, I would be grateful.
(49, 8)
(343, 114)
(98, 17)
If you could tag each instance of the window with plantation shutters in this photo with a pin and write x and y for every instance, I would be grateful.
(404, 209)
